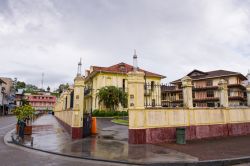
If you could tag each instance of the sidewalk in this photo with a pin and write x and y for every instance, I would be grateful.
(110, 144)
(216, 148)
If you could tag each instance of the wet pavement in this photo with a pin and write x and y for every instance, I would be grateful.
(216, 148)
(109, 144)
(11, 155)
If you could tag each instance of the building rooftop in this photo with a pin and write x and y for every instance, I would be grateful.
(1, 81)
(120, 68)
(198, 75)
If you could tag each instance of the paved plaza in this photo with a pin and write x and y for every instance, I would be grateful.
(111, 144)
(16, 156)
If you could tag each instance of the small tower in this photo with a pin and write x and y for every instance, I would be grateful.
(135, 64)
(79, 69)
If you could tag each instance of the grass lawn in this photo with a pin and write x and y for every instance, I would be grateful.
(120, 121)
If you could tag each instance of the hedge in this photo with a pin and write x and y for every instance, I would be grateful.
(102, 113)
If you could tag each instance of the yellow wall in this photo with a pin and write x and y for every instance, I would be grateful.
(156, 118)
(72, 118)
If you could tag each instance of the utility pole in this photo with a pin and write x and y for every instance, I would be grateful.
(42, 79)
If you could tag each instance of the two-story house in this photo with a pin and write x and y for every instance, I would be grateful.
(41, 102)
(205, 89)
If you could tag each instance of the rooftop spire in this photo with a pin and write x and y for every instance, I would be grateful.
(79, 69)
(135, 64)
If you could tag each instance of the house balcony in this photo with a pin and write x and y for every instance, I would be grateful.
(206, 99)
(172, 100)
(170, 90)
(202, 88)
(237, 98)
(237, 86)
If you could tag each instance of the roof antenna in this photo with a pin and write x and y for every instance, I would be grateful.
(42, 79)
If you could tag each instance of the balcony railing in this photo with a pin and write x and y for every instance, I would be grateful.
(236, 97)
(201, 88)
(206, 99)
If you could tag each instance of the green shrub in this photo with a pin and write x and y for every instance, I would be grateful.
(115, 113)
(95, 113)
(109, 113)
(125, 113)
(101, 114)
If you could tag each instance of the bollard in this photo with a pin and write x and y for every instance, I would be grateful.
(31, 143)
(93, 126)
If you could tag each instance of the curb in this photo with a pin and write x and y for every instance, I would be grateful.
(119, 123)
(103, 117)
(222, 162)
(76, 157)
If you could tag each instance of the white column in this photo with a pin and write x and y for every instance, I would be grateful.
(187, 92)
(136, 90)
(223, 93)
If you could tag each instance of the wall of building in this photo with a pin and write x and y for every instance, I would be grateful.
(71, 120)
(159, 125)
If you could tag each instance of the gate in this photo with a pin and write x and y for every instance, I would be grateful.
(86, 125)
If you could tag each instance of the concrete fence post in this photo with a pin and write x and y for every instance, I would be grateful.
(187, 92)
(136, 90)
(223, 93)
(136, 132)
(78, 107)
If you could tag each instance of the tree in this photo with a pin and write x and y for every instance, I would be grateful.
(24, 112)
(62, 87)
(20, 85)
(30, 88)
(112, 96)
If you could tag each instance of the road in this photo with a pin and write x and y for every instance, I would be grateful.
(17, 156)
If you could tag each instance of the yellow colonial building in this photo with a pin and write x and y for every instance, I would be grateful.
(115, 75)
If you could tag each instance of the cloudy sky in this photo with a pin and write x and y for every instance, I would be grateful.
(172, 37)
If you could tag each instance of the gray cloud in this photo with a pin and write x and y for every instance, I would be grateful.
(171, 37)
